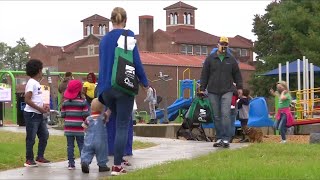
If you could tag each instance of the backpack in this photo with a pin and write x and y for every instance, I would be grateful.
(200, 111)
(123, 71)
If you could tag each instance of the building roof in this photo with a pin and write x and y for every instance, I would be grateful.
(193, 36)
(169, 59)
(196, 36)
(95, 17)
(180, 5)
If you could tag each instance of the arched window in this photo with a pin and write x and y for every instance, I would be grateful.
(171, 18)
(100, 29)
(88, 30)
(175, 21)
(91, 29)
(185, 18)
(189, 18)
(104, 29)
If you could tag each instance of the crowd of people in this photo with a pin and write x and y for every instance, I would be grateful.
(86, 108)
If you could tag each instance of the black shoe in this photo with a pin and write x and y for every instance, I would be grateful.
(104, 169)
(152, 121)
(244, 140)
(225, 144)
(218, 143)
(85, 168)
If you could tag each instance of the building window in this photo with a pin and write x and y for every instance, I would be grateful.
(88, 30)
(90, 50)
(243, 52)
(100, 29)
(197, 50)
(185, 18)
(183, 49)
(190, 49)
(104, 29)
(91, 29)
(204, 50)
(189, 18)
(171, 18)
(175, 19)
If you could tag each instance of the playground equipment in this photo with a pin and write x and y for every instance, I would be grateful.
(258, 115)
(181, 102)
(305, 110)
(12, 75)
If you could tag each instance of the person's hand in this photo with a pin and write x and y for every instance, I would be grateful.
(240, 92)
(271, 91)
(84, 125)
(145, 88)
(44, 110)
(284, 91)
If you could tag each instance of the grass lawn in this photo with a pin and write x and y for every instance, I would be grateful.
(266, 161)
(12, 149)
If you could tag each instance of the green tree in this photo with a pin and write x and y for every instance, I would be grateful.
(287, 31)
(14, 58)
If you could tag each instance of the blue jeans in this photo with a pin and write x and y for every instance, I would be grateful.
(222, 111)
(35, 125)
(121, 105)
(95, 143)
(70, 147)
(281, 125)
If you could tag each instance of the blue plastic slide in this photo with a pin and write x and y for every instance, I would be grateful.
(173, 109)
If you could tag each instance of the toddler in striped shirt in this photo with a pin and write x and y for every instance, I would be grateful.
(74, 110)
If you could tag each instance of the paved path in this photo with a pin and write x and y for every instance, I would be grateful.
(166, 150)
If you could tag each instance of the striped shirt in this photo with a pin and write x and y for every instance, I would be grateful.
(74, 113)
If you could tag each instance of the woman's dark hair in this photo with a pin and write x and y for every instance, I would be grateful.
(93, 77)
(33, 67)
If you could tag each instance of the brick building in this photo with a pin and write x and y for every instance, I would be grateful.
(172, 51)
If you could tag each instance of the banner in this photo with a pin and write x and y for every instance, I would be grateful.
(45, 94)
(5, 92)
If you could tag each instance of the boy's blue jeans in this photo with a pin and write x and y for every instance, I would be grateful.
(222, 111)
(70, 147)
(35, 126)
(121, 105)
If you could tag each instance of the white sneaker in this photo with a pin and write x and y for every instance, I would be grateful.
(283, 142)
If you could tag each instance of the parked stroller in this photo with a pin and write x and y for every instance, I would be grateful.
(199, 112)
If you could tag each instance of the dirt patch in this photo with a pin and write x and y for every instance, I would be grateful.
(299, 139)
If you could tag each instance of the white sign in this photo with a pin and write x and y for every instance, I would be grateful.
(45, 94)
(5, 94)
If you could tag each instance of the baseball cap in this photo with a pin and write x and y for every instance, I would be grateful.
(73, 89)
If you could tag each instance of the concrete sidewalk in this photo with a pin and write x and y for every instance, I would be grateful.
(166, 150)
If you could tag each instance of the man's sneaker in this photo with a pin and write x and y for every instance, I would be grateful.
(42, 160)
(218, 143)
(116, 171)
(85, 167)
(30, 163)
(71, 167)
(125, 162)
(225, 144)
(104, 169)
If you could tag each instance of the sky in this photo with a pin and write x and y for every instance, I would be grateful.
(58, 22)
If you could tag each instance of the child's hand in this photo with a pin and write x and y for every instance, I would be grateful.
(84, 125)
(271, 91)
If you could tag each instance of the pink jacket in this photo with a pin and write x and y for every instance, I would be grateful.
(290, 118)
